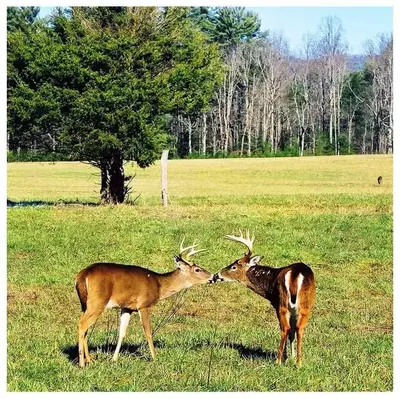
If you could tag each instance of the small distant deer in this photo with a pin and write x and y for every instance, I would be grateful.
(131, 288)
(379, 179)
(290, 289)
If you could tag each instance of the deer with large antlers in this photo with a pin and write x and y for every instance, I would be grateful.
(290, 289)
(131, 288)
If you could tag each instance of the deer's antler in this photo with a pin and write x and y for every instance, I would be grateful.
(246, 241)
(190, 250)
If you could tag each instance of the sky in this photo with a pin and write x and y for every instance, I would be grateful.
(359, 23)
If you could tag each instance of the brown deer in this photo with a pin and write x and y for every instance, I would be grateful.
(290, 289)
(131, 288)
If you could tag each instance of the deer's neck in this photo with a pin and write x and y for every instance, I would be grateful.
(171, 283)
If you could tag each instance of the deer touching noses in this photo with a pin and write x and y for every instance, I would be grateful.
(216, 278)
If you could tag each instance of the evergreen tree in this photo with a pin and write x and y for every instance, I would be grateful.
(106, 78)
(21, 17)
(227, 26)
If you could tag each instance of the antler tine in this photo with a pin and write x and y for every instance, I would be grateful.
(190, 250)
(182, 250)
(248, 237)
(193, 251)
(248, 242)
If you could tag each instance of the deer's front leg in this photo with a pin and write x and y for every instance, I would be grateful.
(125, 317)
(145, 319)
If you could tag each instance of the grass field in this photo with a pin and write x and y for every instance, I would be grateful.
(328, 212)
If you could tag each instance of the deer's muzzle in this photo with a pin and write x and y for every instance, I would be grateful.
(216, 278)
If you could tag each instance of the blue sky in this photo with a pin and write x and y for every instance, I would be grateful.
(359, 23)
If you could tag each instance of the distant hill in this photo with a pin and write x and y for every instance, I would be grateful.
(355, 62)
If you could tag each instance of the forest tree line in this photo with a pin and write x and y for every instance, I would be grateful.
(269, 100)
(273, 102)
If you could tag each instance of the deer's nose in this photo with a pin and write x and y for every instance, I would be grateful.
(216, 278)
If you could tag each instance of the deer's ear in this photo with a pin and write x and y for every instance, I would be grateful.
(255, 260)
(177, 261)
(180, 263)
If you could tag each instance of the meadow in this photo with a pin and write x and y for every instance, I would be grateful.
(328, 212)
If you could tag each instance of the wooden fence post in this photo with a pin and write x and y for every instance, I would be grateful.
(164, 178)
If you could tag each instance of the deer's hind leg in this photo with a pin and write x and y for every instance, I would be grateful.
(283, 316)
(300, 325)
(87, 319)
(292, 334)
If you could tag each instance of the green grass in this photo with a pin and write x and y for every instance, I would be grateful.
(327, 212)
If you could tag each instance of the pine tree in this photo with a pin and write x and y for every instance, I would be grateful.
(106, 79)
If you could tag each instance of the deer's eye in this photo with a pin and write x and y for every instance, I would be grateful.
(197, 270)
(234, 267)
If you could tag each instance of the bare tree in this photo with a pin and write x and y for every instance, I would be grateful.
(274, 100)
(225, 97)
(332, 50)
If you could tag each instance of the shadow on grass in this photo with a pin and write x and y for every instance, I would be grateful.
(247, 352)
(21, 204)
(142, 350)
(138, 350)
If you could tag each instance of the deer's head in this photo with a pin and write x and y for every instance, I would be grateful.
(192, 272)
(236, 271)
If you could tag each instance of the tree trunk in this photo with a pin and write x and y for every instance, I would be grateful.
(221, 121)
(214, 137)
(350, 122)
(278, 133)
(364, 137)
(190, 135)
(250, 110)
(242, 144)
(350, 126)
(374, 140)
(264, 117)
(204, 133)
(113, 189)
(314, 140)
(301, 144)
(390, 141)
(330, 126)
(53, 141)
(271, 132)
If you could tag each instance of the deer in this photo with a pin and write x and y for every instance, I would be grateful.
(290, 290)
(131, 288)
